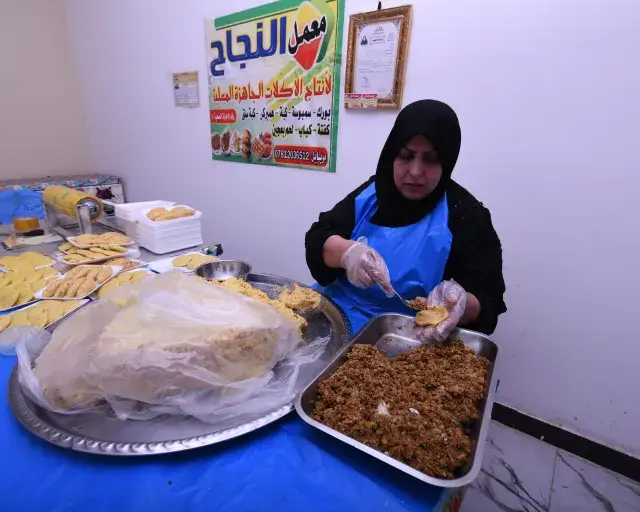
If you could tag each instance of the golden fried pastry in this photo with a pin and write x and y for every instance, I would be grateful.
(76, 255)
(74, 259)
(86, 287)
(74, 287)
(431, 316)
(116, 248)
(104, 274)
(52, 288)
(66, 246)
(78, 282)
(94, 272)
(61, 292)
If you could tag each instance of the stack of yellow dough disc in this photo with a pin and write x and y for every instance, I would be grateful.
(75, 256)
(26, 261)
(78, 283)
(18, 287)
(111, 238)
(162, 214)
(40, 315)
(192, 261)
(120, 279)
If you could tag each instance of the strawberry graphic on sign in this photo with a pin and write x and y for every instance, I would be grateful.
(309, 30)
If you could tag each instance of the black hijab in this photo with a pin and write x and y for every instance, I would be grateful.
(437, 122)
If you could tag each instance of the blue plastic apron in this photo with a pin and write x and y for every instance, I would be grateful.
(415, 255)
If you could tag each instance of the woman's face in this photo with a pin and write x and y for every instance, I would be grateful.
(416, 169)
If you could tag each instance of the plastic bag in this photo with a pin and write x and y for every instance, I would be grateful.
(171, 344)
(451, 296)
(9, 338)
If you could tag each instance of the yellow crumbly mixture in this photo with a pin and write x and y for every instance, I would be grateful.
(241, 286)
(300, 298)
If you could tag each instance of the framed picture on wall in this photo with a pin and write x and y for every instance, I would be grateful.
(377, 58)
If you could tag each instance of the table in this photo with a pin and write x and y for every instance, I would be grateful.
(285, 466)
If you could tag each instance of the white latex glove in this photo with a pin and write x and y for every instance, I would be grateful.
(365, 267)
(451, 296)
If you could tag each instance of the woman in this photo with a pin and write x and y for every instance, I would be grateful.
(412, 229)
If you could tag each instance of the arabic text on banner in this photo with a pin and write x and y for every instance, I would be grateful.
(274, 83)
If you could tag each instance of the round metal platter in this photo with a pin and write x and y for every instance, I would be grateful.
(108, 435)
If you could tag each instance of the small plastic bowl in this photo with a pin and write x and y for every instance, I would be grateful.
(222, 270)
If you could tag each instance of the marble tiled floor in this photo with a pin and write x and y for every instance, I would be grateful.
(523, 474)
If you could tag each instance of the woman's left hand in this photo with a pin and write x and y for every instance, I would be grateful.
(451, 296)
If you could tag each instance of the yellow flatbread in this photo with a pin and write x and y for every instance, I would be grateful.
(54, 309)
(37, 317)
(25, 293)
(35, 258)
(69, 306)
(182, 261)
(8, 297)
(20, 318)
(5, 321)
(198, 260)
(431, 316)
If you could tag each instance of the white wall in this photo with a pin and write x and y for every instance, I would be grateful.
(42, 131)
(548, 96)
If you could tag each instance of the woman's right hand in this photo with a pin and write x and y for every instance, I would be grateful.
(365, 267)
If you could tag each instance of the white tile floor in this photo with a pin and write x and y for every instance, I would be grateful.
(523, 474)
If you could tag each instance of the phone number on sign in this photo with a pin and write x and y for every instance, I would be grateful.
(301, 155)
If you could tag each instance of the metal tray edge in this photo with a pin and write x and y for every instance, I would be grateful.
(473, 472)
(62, 438)
(74, 442)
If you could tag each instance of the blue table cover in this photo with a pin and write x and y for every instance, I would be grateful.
(287, 466)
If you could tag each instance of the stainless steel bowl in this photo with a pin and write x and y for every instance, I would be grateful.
(222, 270)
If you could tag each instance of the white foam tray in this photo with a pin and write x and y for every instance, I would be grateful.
(115, 270)
(81, 302)
(131, 253)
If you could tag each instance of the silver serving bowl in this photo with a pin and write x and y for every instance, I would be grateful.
(222, 270)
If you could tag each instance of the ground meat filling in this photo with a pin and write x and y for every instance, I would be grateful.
(416, 407)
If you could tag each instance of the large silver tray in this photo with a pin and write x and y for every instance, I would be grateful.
(98, 433)
(392, 334)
